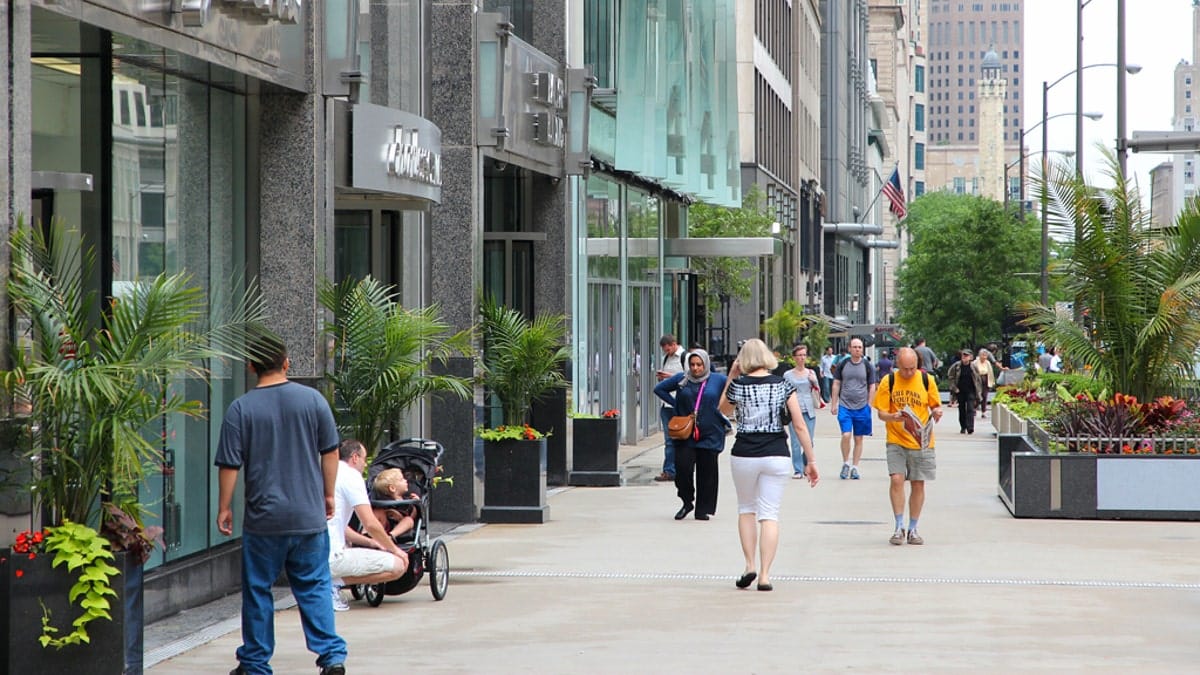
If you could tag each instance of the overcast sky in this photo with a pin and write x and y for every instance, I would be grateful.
(1158, 35)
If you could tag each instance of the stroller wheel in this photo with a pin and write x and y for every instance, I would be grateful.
(374, 594)
(356, 591)
(439, 569)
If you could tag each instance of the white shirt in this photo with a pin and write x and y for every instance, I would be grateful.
(349, 491)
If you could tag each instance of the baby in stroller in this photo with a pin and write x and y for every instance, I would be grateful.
(393, 485)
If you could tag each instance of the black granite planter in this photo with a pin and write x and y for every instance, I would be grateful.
(1034, 484)
(21, 601)
(514, 486)
(594, 452)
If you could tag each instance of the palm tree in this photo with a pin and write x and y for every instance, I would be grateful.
(1138, 286)
(382, 356)
(522, 359)
(91, 385)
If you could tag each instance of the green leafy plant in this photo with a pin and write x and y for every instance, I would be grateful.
(89, 388)
(80, 548)
(522, 359)
(720, 277)
(91, 385)
(383, 356)
(507, 432)
(1136, 286)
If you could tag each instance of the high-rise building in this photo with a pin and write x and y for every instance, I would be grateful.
(1181, 187)
(959, 35)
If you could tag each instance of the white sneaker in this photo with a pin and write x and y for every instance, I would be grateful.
(339, 603)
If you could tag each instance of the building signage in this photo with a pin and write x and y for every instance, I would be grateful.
(405, 158)
(389, 152)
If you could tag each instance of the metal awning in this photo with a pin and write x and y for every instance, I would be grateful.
(708, 247)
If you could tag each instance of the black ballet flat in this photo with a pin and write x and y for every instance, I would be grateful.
(765, 587)
(683, 511)
(746, 579)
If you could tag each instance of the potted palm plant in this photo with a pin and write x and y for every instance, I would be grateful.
(382, 357)
(522, 361)
(87, 387)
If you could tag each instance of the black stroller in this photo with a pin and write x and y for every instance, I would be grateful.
(418, 458)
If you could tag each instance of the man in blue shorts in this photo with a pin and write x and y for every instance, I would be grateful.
(854, 383)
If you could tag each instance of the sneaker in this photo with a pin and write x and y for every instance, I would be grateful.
(797, 475)
(335, 669)
(339, 603)
(665, 477)
(845, 472)
(915, 539)
(854, 473)
(897, 538)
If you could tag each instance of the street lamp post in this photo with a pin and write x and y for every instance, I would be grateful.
(1122, 153)
(1021, 140)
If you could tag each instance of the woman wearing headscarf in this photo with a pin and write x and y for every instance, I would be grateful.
(760, 461)
(697, 390)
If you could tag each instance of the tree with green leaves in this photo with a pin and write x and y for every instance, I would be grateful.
(968, 261)
(383, 356)
(727, 276)
(1138, 286)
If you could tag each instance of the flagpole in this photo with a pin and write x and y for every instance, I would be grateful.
(878, 192)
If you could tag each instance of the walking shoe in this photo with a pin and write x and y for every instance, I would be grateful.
(845, 472)
(897, 538)
(915, 539)
(797, 475)
(335, 669)
(665, 477)
(854, 473)
(339, 603)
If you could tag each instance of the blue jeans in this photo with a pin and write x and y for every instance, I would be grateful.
(664, 415)
(305, 557)
(799, 461)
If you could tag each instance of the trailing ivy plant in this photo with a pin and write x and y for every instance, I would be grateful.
(83, 550)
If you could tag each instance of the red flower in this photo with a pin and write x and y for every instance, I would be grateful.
(611, 414)
(19, 573)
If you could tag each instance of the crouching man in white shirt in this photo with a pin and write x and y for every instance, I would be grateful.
(366, 560)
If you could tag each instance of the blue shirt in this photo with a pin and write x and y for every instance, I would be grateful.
(276, 436)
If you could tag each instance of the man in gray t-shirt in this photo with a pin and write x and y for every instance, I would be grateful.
(281, 435)
(854, 383)
(929, 361)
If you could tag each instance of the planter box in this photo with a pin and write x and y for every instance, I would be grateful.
(514, 486)
(1005, 421)
(595, 443)
(21, 600)
(1034, 484)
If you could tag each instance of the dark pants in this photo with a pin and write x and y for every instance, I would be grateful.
(966, 411)
(700, 465)
(983, 399)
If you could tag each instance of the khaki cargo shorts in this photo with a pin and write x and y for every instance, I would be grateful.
(912, 464)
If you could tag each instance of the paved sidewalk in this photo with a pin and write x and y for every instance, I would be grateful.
(613, 584)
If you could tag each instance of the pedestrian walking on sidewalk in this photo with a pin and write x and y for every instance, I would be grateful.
(672, 364)
(906, 460)
(283, 435)
(808, 394)
(965, 385)
(986, 367)
(760, 461)
(697, 391)
(854, 383)
(827, 374)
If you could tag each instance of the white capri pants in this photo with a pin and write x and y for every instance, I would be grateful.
(760, 482)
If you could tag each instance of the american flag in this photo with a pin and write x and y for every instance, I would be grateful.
(895, 194)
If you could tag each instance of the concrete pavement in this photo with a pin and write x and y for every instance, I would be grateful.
(613, 584)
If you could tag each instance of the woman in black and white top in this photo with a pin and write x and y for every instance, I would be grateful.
(760, 461)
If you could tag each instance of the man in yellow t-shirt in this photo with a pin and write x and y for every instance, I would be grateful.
(905, 458)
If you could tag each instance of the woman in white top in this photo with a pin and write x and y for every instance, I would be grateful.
(987, 377)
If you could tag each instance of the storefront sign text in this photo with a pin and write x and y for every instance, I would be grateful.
(405, 158)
